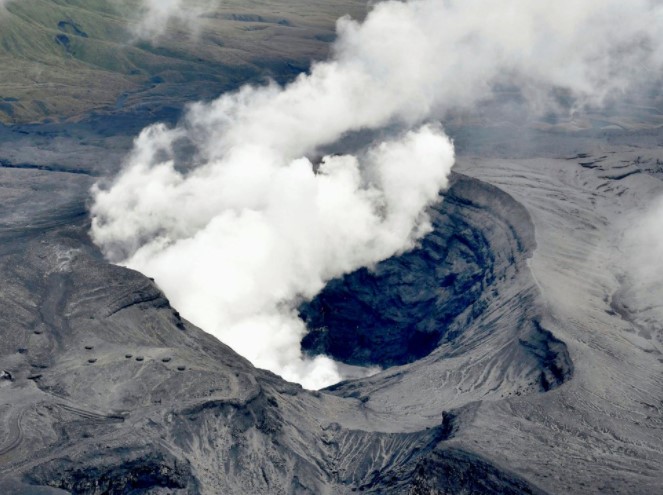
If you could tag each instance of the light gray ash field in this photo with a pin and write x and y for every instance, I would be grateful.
(520, 338)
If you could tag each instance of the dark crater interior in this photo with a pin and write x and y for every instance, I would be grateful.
(402, 309)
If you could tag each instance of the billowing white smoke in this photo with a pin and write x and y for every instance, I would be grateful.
(237, 242)
(237, 238)
(155, 16)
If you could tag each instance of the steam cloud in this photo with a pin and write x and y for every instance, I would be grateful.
(643, 241)
(156, 15)
(250, 226)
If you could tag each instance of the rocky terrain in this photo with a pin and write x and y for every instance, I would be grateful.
(529, 381)
(518, 353)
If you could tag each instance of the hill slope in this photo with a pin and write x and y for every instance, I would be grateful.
(65, 58)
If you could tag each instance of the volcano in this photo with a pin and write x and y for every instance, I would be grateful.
(515, 349)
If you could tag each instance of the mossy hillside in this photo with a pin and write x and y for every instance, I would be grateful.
(65, 58)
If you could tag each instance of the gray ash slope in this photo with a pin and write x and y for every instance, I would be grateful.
(537, 384)
(108, 390)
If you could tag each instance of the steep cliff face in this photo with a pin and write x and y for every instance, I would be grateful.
(400, 310)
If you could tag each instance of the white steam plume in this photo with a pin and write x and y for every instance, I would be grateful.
(238, 241)
(155, 16)
(248, 228)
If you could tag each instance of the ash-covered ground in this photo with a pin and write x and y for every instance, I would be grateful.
(540, 375)
(520, 341)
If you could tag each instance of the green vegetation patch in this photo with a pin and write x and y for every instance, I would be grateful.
(62, 59)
